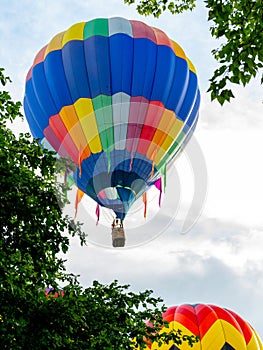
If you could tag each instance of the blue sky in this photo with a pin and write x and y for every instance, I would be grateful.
(220, 259)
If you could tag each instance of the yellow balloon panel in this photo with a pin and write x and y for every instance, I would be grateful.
(220, 333)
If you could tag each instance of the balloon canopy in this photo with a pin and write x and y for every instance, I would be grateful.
(120, 99)
(217, 328)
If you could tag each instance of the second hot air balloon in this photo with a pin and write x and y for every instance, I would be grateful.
(217, 328)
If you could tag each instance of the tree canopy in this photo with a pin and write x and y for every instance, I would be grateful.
(238, 23)
(31, 222)
(32, 233)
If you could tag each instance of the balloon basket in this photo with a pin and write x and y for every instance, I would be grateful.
(118, 237)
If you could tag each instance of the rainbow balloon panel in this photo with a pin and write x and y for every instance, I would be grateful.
(218, 328)
(120, 99)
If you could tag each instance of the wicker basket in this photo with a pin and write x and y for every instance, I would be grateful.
(118, 237)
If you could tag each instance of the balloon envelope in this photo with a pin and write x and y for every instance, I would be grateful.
(218, 328)
(120, 99)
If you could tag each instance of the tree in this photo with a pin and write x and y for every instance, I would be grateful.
(239, 24)
(99, 317)
(32, 233)
(31, 222)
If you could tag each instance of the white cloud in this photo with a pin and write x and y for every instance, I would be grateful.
(211, 264)
(243, 113)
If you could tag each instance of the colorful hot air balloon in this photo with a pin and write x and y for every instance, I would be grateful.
(120, 99)
(217, 328)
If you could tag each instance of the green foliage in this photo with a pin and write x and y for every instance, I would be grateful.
(157, 7)
(31, 223)
(239, 24)
(99, 317)
(32, 228)
(9, 110)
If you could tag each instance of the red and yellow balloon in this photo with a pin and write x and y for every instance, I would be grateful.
(217, 328)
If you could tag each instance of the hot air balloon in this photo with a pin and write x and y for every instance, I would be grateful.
(121, 100)
(217, 328)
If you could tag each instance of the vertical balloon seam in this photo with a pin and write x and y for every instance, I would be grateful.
(69, 119)
(160, 161)
(134, 24)
(232, 322)
(180, 147)
(133, 41)
(30, 83)
(218, 320)
(137, 40)
(185, 111)
(190, 130)
(249, 334)
(57, 51)
(108, 111)
(181, 135)
(154, 82)
(165, 127)
(85, 55)
(180, 59)
(69, 40)
(129, 141)
(86, 40)
(184, 315)
(120, 128)
(198, 326)
(45, 48)
(130, 97)
(53, 63)
(172, 66)
(176, 143)
(258, 340)
(81, 147)
(35, 128)
(130, 106)
(157, 129)
(122, 91)
(36, 96)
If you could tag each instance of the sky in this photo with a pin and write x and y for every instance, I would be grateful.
(218, 257)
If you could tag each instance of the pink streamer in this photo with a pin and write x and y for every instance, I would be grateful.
(98, 213)
(158, 185)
